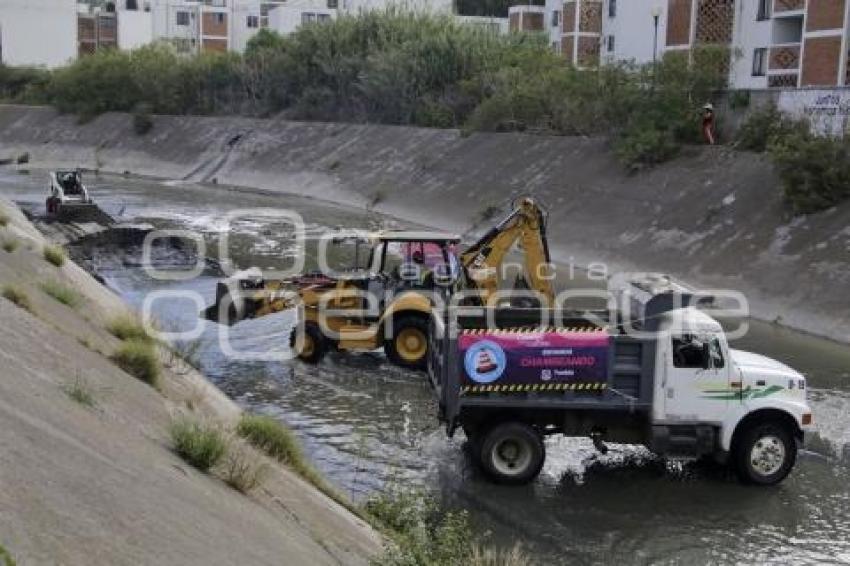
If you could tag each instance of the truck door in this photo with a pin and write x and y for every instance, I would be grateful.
(697, 384)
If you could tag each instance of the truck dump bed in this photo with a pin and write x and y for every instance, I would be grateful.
(515, 362)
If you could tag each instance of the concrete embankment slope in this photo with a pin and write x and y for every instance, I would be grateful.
(99, 484)
(713, 217)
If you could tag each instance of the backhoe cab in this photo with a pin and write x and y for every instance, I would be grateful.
(385, 297)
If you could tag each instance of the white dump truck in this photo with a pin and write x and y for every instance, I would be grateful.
(669, 381)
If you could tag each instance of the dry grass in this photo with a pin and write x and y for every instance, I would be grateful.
(54, 255)
(62, 293)
(9, 244)
(81, 392)
(491, 557)
(201, 444)
(242, 469)
(18, 297)
(128, 327)
(273, 438)
(139, 359)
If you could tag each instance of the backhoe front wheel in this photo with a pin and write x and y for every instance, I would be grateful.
(314, 345)
(408, 346)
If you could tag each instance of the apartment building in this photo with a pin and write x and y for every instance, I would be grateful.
(774, 43)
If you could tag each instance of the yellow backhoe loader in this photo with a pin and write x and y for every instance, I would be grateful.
(387, 300)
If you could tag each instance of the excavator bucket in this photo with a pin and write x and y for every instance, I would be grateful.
(235, 298)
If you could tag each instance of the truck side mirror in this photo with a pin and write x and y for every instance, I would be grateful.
(706, 355)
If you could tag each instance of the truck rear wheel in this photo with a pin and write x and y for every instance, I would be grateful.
(314, 345)
(409, 345)
(765, 453)
(511, 453)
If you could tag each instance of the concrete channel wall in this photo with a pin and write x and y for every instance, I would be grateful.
(713, 217)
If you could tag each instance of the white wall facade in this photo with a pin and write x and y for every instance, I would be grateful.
(40, 33)
(749, 33)
(632, 27)
(287, 19)
(135, 29)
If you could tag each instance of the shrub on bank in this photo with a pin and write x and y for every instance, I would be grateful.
(18, 297)
(424, 535)
(815, 171)
(139, 359)
(128, 327)
(268, 435)
(202, 445)
(9, 244)
(62, 293)
(54, 255)
(766, 126)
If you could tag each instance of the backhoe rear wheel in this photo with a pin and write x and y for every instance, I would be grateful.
(409, 345)
(314, 346)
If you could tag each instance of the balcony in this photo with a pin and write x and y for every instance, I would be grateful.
(785, 57)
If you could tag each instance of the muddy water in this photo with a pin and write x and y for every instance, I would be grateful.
(366, 423)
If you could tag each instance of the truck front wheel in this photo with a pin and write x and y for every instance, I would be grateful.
(765, 453)
(511, 453)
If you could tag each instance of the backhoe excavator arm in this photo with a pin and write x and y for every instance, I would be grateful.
(526, 224)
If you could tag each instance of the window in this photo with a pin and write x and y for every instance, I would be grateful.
(219, 18)
(612, 8)
(556, 18)
(610, 44)
(324, 17)
(333, 4)
(760, 62)
(308, 18)
(697, 352)
(182, 18)
(252, 21)
(764, 10)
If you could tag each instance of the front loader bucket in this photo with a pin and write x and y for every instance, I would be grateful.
(82, 213)
(234, 298)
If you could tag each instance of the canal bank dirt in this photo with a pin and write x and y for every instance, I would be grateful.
(100, 484)
(713, 217)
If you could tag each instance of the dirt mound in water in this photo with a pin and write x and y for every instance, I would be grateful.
(713, 217)
(95, 481)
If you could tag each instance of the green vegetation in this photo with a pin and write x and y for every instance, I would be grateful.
(54, 255)
(423, 535)
(200, 444)
(268, 435)
(128, 327)
(17, 296)
(81, 392)
(9, 243)
(398, 67)
(6, 558)
(62, 293)
(139, 359)
(273, 438)
(243, 470)
(4, 219)
(765, 126)
(815, 171)
(142, 121)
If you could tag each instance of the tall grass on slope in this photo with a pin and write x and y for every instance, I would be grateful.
(139, 359)
(54, 255)
(128, 327)
(273, 438)
(62, 293)
(203, 445)
(18, 297)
